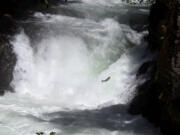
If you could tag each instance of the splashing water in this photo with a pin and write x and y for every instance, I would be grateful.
(65, 67)
(59, 72)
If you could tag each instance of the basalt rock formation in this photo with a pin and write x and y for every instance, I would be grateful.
(158, 99)
(7, 57)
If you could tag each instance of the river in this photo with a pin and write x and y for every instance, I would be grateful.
(76, 70)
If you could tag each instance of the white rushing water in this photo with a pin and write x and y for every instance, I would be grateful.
(60, 67)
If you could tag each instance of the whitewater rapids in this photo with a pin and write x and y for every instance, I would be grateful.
(63, 54)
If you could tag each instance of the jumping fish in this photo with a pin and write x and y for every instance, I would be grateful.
(107, 79)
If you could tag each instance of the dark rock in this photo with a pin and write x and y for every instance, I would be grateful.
(158, 99)
(7, 57)
(145, 67)
(146, 102)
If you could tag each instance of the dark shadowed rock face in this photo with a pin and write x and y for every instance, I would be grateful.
(7, 57)
(7, 62)
(158, 99)
(16, 7)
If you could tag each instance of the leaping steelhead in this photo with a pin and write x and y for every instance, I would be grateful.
(107, 79)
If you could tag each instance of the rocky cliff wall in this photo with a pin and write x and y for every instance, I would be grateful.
(158, 99)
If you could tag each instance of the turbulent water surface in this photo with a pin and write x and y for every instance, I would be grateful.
(75, 71)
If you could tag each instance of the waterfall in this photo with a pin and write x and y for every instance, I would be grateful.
(63, 56)
(68, 69)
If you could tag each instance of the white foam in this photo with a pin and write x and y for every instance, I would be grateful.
(64, 72)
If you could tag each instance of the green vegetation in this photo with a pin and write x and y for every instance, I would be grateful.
(46, 2)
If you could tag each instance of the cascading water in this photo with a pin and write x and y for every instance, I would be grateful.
(62, 57)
